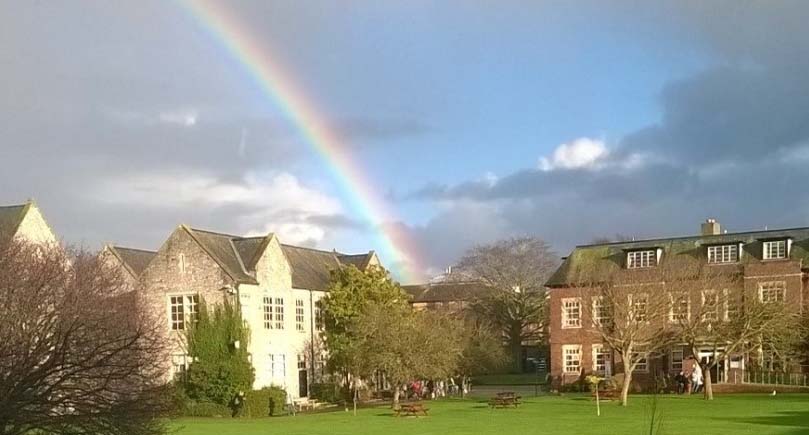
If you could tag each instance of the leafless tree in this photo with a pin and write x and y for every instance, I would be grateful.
(625, 312)
(78, 355)
(516, 271)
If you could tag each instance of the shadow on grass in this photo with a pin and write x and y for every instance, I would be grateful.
(796, 419)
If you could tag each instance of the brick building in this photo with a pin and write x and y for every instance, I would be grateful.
(768, 265)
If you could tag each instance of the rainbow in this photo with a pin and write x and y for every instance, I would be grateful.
(397, 249)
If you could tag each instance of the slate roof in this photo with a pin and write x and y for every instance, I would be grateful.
(311, 268)
(135, 260)
(223, 249)
(10, 218)
(445, 291)
(613, 255)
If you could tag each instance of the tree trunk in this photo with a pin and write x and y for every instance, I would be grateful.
(625, 387)
(515, 349)
(707, 384)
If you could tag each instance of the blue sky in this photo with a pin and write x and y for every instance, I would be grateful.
(477, 120)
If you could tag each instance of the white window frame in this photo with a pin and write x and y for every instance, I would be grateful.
(300, 315)
(634, 299)
(642, 259)
(674, 302)
(278, 369)
(672, 365)
(179, 364)
(721, 306)
(601, 350)
(570, 321)
(266, 312)
(775, 249)
(765, 288)
(572, 350)
(602, 312)
(182, 309)
(642, 367)
(723, 254)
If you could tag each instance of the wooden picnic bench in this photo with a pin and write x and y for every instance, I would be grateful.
(413, 409)
(606, 394)
(505, 399)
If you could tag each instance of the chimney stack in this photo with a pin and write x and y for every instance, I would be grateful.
(711, 228)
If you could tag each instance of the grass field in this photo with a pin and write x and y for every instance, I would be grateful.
(732, 414)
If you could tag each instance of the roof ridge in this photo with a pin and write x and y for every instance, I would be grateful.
(216, 233)
(132, 249)
(697, 236)
(333, 252)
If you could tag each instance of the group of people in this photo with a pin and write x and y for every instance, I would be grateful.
(690, 382)
(430, 389)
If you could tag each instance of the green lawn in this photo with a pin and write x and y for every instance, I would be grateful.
(731, 414)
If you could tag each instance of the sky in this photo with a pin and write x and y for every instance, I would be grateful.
(475, 120)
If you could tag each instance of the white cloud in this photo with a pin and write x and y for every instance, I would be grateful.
(274, 202)
(581, 153)
(186, 118)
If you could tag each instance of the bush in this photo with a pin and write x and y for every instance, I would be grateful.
(264, 402)
(205, 409)
(326, 392)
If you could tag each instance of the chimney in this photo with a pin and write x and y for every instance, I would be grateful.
(711, 228)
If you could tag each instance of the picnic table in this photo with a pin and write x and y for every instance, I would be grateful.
(506, 399)
(413, 409)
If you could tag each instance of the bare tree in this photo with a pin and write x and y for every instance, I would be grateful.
(626, 313)
(711, 309)
(77, 355)
(516, 271)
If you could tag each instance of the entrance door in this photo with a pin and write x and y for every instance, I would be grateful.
(718, 373)
(303, 383)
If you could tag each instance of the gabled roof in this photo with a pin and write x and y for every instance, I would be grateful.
(11, 217)
(223, 249)
(450, 291)
(311, 268)
(135, 260)
(612, 255)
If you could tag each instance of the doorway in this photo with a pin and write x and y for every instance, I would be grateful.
(718, 371)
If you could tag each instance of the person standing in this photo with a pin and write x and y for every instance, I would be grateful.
(696, 377)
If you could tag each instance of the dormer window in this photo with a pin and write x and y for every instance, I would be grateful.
(723, 254)
(775, 249)
(641, 259)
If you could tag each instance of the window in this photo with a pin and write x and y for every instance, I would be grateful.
(273, 313)
(299, 317)
(639, 259)
(571, 313)
(179, 365)
(181, 261)
(278, 369)
(572, 358)
(643, 361)
(775, 249)
(182, 309)
(601, 359)
(676, 359)
(639, 304)
(679, 307)
(279, 313)
(301, 361)
(318, 319)
(602, 312)
(723, 254)
(772, 291)
(710, 305)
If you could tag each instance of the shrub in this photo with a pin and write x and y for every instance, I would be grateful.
(264, 402)
(221, 368)
(326, 392)
(205, 409)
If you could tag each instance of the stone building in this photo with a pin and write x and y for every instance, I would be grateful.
(25, 222)
(277, 287)
(450, 295)
(768, 265)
